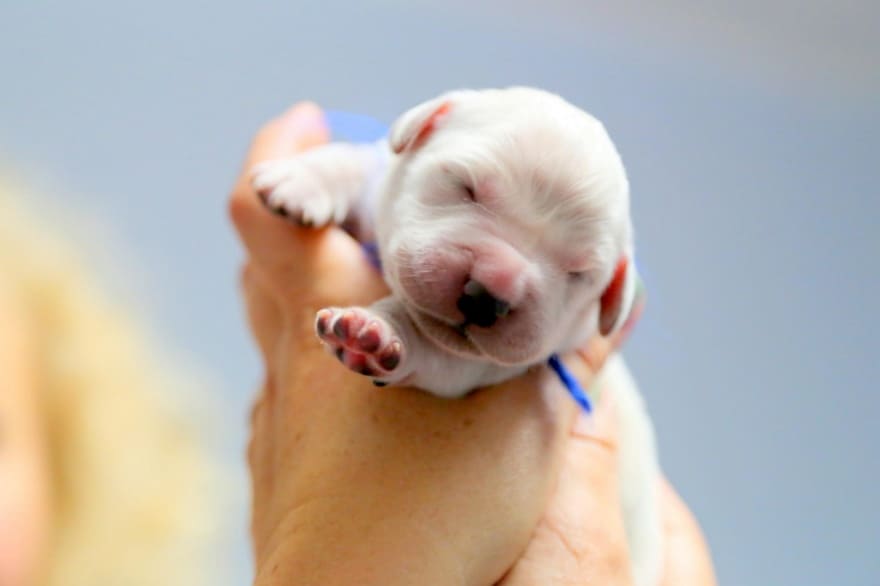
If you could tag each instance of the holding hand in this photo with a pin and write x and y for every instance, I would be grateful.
(353, 484)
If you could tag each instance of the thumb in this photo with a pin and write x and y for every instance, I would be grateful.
(581, 538)
(588, 480)
(265, 236)
(332, 269)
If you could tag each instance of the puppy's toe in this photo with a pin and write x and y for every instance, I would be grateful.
(266, 176)
(363, 341)
(317, 210)
(291, 189)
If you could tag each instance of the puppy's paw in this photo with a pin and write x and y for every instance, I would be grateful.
(293, 188)
(363, 341)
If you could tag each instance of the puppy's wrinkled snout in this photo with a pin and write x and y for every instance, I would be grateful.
(479, 306)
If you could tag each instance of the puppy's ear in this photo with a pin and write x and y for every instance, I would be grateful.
(617, 299)
(414, 127)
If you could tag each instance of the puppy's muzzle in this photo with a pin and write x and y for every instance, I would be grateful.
(479, 306)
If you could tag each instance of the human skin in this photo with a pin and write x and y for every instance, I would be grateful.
(353, 484)
(24, 466)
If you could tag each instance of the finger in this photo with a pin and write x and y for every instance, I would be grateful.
(638, 307)
(296, 261)
(264, 234)
(257, 447)
(260, 457)
(585, 510)
(263, 312)
(687, 559)
(585, 363)
(590, 461)
(600, 348)
(581, 538)
(300, 128)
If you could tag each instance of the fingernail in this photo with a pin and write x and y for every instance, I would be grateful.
(638, 305)
(584, 423)
(640, 292)
(303, 118)
(596, 422)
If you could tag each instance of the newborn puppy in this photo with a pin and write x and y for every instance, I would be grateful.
(502, 223)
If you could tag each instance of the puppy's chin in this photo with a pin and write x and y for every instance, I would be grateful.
(509, 344)
(490, 345)
(445, 335)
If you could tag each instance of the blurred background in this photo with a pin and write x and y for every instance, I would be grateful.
(750, 133)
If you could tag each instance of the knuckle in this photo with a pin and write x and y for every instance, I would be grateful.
(240, 205)
(566, 537)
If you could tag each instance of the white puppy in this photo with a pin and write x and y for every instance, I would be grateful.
(502, 223)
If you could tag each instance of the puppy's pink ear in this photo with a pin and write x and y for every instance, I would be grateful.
(617, 299)
(414, 127)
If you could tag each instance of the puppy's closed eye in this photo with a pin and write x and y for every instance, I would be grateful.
(456, 182)
(468, 191)
(581, 279)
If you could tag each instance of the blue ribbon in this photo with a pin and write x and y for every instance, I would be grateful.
(348, 127)
(575, 389)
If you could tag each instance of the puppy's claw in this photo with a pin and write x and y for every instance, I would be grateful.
(291, 188)
(322, 321)
(370, 337)
(390, 358)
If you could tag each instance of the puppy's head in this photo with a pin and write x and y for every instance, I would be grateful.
(505, 224)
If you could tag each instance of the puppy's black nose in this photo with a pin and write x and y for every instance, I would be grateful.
(479, 306)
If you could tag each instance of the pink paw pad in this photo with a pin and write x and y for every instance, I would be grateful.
(363, 342)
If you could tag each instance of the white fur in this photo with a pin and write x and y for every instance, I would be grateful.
(552, 199)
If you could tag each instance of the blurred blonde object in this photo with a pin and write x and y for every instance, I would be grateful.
(134, 494)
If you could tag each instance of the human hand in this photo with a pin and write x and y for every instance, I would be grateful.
(379, 486)
(580, 539)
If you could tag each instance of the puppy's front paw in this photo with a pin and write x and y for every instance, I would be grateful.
(363, 341)
(293, 189)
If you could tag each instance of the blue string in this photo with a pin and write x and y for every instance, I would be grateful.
(351, 127)
(372, 252)
(574, 387)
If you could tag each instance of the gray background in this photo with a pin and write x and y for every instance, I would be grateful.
(750, 132)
